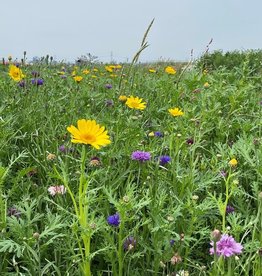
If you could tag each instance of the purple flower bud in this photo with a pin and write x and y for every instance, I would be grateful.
(108, 86)
(190, 141)
(13, 211)
(129, 243)
(230, 209)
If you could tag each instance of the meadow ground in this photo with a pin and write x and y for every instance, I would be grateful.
(130, 170)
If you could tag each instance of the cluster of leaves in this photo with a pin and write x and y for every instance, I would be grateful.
(251, 60)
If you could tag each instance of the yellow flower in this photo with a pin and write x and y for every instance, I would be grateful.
(109, 68)
(206, 85)
(176, 112)
(136, 103)
(15, 73)
(86, 71)
(122, 98)
(95, 70)
(170, 70)
(73, 73)
(90, 133)
(152, 70)
(78, 78)
(233, 162)
(151, 134)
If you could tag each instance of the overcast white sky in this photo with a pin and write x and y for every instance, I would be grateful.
(67, 29)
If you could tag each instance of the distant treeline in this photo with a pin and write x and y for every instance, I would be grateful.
(251, 59)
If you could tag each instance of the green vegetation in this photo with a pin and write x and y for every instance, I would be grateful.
(120, 216)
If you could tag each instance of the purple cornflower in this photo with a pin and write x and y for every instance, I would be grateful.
(108, 86)
(38, 81)
(109, 103)
(129, 243)
(13, 211)
(141, 156)
(21, 83)
(226, 246)
(35, 74)
(114, 220)
(229, 209)
(164, 159)
(158, 134)
(62, 148)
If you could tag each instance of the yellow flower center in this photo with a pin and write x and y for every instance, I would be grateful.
(89, 138)
(135, 104)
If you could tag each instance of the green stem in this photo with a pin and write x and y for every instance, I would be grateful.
(120, 244)
(83, 213)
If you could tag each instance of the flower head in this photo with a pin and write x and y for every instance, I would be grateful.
(164, 159)
(206, 85)
(152, 70)
(122, 98)
(108, 86)
(54, 190)
(129, 243)
(233, 162)
(85, 71)
(141, 156)
(158, 134)
(89, 133)
(15, 73)
(170, 70)
(176, 112)
(229, 209)
(226, 246)
(21, 83)
(38, 82)
(95, 161)
(13, 211)
(135, 103)
(78, 78)
(114, 220)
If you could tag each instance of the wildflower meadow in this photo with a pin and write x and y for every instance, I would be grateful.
(130, 169)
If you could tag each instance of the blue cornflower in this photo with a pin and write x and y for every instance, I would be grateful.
(164, 159)
(114, 220)
(38, 81)
(158, 134)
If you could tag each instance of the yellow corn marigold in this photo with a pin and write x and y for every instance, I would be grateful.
(176, 112)
(15, 73)
(135, 103)
(233, 162)
(78, 78)
(90, 133)
(170, 70)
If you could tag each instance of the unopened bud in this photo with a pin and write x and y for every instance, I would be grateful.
(216, 235)
(36, 235)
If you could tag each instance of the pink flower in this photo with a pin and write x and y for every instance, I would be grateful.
(226, 246)
(53, 190)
